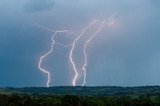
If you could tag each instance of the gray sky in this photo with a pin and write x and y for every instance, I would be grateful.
(125, 54)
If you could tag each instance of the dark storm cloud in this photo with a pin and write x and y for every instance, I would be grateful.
(38, 5)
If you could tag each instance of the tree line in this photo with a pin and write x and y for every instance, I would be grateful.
(75, 100)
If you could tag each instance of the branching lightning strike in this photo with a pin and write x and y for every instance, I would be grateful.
(68, 32)
(73, 45)
(72, 49)
(85, 54)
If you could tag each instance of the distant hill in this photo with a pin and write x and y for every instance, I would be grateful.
(85, 91)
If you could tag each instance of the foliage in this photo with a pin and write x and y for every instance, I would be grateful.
(72, 100)
(78, 96)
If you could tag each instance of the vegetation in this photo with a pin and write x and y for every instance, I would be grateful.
(81, 96)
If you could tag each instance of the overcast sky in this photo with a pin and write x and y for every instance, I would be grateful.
(124, 54)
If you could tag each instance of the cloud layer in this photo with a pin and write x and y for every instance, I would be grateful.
(38, 5)
(125, 54)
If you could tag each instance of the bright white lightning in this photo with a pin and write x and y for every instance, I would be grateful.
(73, 45)
(85, 48)
(72, 49)
(51, 50)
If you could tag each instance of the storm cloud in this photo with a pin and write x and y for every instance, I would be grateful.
(38, 5)
(126, 54)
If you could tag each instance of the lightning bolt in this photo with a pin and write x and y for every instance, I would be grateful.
(68, 32)
(72, 49)
(85, 48)
(73, 45)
